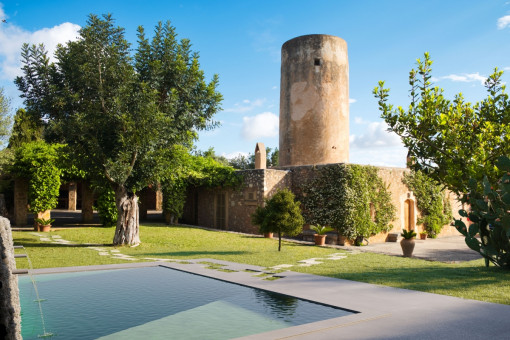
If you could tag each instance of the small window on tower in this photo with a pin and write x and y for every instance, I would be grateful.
(317, 62)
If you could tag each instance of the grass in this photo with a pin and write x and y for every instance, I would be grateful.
(470, 280)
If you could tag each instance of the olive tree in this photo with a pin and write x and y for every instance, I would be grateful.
(120, 112)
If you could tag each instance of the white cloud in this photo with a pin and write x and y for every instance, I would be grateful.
(246, 105)
(466, 77)
(352, 100)
(359, 120)
(375, 136)
(260, 126)
(392, 156)
(506, 68)
(235, 154)
(12, 38)
(503, 22)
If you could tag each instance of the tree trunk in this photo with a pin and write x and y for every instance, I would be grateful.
(279, 241)
(127, 231)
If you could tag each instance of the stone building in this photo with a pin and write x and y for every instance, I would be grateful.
(314, 132)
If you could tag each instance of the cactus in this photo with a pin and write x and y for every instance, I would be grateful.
(489, 217)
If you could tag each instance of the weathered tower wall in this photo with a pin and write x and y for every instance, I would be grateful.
(314, 101)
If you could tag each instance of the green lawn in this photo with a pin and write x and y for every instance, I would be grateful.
(470, 280)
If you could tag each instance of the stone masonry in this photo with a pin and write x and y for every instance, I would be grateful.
(10, 310)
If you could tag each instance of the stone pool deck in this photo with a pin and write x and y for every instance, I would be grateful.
(450, 249)
(383, 312)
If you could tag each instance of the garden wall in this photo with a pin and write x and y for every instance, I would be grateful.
(205, 206)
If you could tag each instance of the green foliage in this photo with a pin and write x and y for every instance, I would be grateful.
(27, 128)
(490, 217)
(342, 196)
(185, 170)
(106, 208)
(450, 140)
(408, 234)
(432, 202)
(281, 214)
(120, 113)
(5, 119)
(38, 162)
(320, 229)
(42, 221)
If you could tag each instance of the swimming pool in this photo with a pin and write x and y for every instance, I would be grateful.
(157, 303)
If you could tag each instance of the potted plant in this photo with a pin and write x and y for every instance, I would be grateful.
(44, 225)
(268, 235)
(407, 242)
(320, 236)
(423, 235)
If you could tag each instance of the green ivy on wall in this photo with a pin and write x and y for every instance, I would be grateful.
(431, 200)
(351, 198)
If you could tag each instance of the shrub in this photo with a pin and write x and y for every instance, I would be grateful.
(434, 207)
(106, 208)
(281, 214)
(490, 217)
(343, 196)
(38, 162)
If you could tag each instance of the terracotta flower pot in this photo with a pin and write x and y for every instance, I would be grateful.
(268, 235)
(407, 247)
(45, 228)
(423, 236)
(320, 240)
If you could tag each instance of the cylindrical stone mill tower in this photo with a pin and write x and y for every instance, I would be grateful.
(314, 101)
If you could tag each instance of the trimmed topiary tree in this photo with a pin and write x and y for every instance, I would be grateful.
(38, 162)
(281, 214)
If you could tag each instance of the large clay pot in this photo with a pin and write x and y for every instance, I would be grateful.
(268, 235)
(423, 236)
(45, 228)
(407, 247)
(320, 240)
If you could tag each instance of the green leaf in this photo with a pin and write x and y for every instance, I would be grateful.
(473, 243)
(503, 163)
(473, 229)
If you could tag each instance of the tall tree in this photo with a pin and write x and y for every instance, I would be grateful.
(450, 140)
(119, 113)
(26, 129)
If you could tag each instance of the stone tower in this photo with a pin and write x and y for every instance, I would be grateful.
(314, 101)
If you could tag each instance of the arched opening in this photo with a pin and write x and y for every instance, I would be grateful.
(409, 214)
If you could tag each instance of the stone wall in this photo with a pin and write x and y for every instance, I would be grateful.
(259, 184)
(10, 315)
(202, 203)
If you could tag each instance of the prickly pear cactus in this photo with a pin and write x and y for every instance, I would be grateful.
(490, 217)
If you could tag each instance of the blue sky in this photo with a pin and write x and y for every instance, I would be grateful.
(241, 41)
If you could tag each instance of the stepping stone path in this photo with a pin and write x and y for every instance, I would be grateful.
(116, 254)
(314, 261)
(113, 253)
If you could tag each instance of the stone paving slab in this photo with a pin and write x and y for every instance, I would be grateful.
(445, 249)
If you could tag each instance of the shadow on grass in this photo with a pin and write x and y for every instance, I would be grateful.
(196, 253)
(430, 278)
(28, 242)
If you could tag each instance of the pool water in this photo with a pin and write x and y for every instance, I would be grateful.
(157, 303)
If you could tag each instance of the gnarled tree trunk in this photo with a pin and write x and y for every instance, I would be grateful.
(127, 231)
